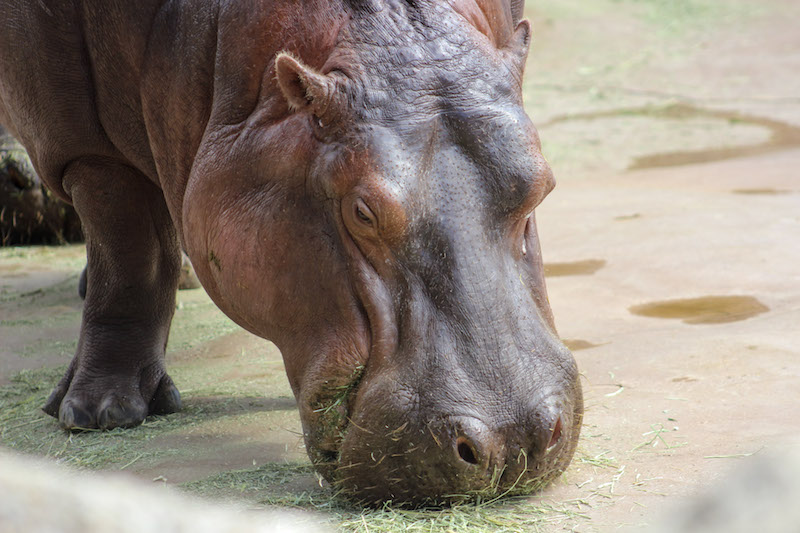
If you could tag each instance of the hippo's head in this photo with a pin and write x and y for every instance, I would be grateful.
(373, 215)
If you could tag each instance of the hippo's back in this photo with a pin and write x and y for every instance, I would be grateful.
(65, 74)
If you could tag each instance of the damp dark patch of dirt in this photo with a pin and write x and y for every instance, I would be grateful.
(759, 192)
(684, 379)
(579, 344)
(632, 216)
(782, 134)
(575, 268)
(703, 310)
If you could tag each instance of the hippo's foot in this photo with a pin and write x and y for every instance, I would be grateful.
(117, 376)
(85, 400)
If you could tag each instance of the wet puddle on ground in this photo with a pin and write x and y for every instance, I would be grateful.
(579, 344)
(760, 191)
(704, 310)
(782, 134)
(632, 216)
(575, 268)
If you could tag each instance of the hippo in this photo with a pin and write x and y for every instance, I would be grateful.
(354, 180)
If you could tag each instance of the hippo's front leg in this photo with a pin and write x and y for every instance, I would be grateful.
(117, 376)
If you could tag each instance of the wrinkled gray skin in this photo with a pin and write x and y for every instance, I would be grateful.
(354, 180)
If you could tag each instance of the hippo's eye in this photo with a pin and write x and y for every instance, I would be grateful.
(363, 213)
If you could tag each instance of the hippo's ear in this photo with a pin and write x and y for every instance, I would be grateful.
(518, 45)
(303, 88)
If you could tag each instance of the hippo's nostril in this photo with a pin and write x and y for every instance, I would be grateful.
(556, 435)
(466, 450)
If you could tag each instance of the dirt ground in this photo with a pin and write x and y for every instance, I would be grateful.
(672, 244)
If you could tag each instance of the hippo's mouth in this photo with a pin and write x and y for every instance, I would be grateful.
(329, 412)
(365, 442)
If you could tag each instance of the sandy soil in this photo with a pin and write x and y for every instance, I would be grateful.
(674, 403)
(674, 138)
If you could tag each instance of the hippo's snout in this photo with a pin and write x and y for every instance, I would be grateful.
(445, 459)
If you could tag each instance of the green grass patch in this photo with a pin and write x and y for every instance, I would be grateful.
(25, 428)
(276, 485)
(70, 256)
(677, 16)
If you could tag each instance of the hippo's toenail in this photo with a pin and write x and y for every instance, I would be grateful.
(71, 416)
(167, 399)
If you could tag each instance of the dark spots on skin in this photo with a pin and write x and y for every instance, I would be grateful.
(575, 268)
(214, 260)
(704, 310)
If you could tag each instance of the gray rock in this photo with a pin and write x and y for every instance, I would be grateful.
(762, 495)
(40, 497)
